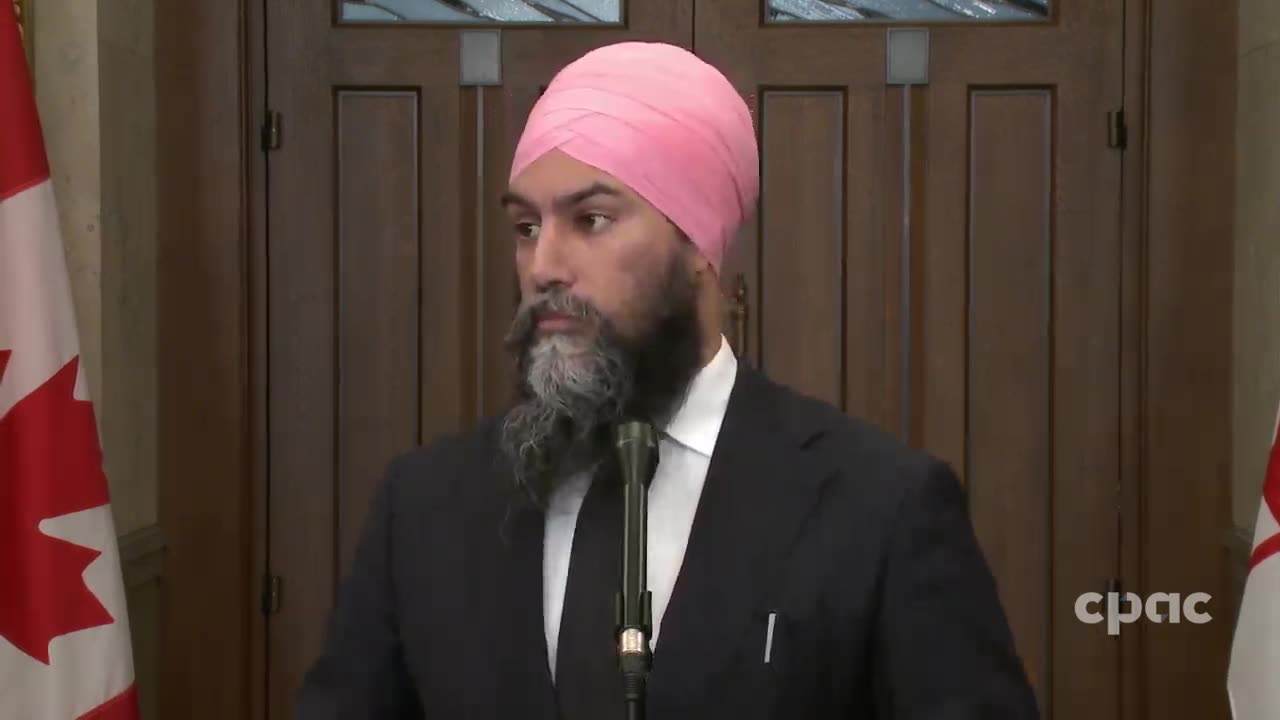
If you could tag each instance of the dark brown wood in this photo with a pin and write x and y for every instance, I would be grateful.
(1134, 347)
(1084, 401)
(864, 253)
(893, 194)
(1086, 308)
(1009, 355)
(446, 365)
(257, 428)
(205, 492)
(1187, 159)
(802, 191)
(378, 291)
(329, 203)
(470, 254)
(303, 344)
(503, 110)
(912, 265)
(940, 392)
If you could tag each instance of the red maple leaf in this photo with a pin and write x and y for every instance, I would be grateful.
(1270, 546)
(50, 465)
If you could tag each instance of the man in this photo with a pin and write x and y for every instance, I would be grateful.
(802, 564)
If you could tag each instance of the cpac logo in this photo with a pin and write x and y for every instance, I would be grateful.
(1174, 609)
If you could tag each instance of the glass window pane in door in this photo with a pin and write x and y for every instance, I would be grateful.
(483, 12)
(828, 11)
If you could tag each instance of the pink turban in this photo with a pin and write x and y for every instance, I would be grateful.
(665, 123)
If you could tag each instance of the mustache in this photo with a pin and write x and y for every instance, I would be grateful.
(556, 301)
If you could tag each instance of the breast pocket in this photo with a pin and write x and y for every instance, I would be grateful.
(785, 663)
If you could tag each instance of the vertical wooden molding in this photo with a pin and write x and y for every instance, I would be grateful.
(202, 184)
(1186, 147)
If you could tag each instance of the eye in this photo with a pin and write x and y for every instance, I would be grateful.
(527, 230)
(594, 222)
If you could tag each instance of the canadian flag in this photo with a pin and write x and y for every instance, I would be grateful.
(1253, 681)
(64, 630)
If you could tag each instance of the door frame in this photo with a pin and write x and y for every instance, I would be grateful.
(1177, 232)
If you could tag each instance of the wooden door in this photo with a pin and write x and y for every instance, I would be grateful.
(943, 258)
(389, 279)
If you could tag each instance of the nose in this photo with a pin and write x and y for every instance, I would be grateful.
(549, 265)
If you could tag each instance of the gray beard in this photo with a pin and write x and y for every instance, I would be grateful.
(573, 389)
(572, 392)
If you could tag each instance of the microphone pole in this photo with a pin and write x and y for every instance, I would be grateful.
(638, 457)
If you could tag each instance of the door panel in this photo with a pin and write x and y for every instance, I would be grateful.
(806, 136)
(390, 281)
(1010, 266)
(377, 198)
(946, 254)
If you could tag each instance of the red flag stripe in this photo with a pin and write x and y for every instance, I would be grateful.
(1271, 484)
(121, 707)
(1270, 546)
(1266, 549)
(23, 162)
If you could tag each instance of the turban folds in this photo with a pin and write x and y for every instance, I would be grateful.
(662, 121)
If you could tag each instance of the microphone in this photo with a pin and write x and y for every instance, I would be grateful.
(637, 448)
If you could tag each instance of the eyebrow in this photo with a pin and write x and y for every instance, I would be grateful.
(567, 200)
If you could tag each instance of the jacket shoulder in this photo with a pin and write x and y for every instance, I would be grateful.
(859, 451)
(445, 465)
(820, 425)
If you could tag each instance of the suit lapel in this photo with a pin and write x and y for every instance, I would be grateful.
(525, 688)
(759, 490)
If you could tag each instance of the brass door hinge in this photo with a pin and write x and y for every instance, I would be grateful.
(271, 594)
(1117, 130)
(271, 131)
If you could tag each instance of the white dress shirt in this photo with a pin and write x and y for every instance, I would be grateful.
(684, 451)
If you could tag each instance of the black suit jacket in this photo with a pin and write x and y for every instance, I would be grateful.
(885, 607)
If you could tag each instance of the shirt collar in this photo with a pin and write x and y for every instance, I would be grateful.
(696, 422)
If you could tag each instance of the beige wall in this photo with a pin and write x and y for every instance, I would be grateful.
(93, 70)
(65, 34)
(1257, 262)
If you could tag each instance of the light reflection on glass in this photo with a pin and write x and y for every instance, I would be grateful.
(516, 12)
(783, 11)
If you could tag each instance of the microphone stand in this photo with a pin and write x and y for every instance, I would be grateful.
(638, 455)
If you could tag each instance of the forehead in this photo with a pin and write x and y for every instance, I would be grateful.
(556, 174)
